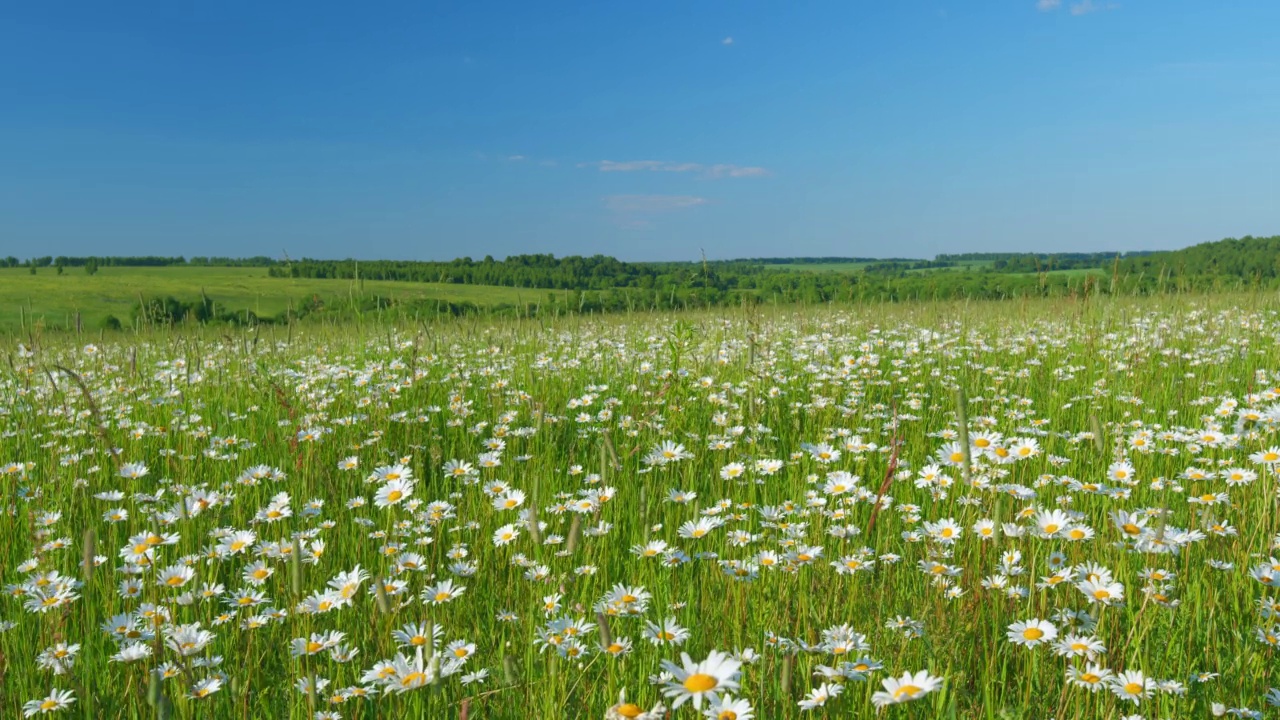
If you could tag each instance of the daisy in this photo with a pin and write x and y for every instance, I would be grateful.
(819, 696)
(1079, 646)
(906, 688)
(205, 688)
(694, 681)
(624, 710)
(392, 492)
(1132, 685)
(1030, 633)
(57, 700)
(730, 708)
(1093, 677)
(1101, 591)
(442, 592)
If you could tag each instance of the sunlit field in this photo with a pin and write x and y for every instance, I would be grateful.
(1053, 509)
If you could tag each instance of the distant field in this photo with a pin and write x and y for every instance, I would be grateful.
(969, 265)
(822, 267)
(860, 266)
(54, 299)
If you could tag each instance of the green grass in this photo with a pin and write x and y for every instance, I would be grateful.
(577, 404)
(54, 299)
(845, 267)
(856, 267)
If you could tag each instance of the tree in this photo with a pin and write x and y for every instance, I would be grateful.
(91, 266)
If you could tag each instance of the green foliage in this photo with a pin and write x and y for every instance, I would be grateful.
(1249, 260)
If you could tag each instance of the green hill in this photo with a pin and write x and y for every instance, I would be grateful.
(1254, 260)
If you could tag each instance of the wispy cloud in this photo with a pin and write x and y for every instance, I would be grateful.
(1089, 6)
(727, 41)
(1083, 7)
(650, 204)
(711, 171)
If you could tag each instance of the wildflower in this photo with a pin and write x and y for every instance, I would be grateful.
(693, 681)
(905, 689)
(56, 700)
(1030, 633)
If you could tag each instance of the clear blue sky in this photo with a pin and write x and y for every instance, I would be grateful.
(644, 130)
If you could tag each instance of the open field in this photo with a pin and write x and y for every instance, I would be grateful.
(54, 299)
(860, 266)
(204, 525)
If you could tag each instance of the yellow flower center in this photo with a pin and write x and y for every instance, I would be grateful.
(908, 690)
(700, 682)
(1033, 633)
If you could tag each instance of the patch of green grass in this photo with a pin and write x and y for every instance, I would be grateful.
(857, 267)
(823, 267)
(54, 300)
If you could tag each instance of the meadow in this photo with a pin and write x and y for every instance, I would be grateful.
(50, 300)
(1031, 509)
(856, 267)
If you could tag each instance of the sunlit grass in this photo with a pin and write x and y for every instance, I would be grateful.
(580, 405)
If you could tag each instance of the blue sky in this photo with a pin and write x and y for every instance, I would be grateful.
(644, 130)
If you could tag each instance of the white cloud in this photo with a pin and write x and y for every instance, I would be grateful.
(727, 41)
(515, 158)
(721, 170)
(646, 204)
(1088, 6)
(737, 171)
(1047, 5)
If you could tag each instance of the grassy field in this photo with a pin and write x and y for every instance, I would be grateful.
(1038, 509)
(821, 267)
(55, 299)
(860, 266)
(973, 265)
